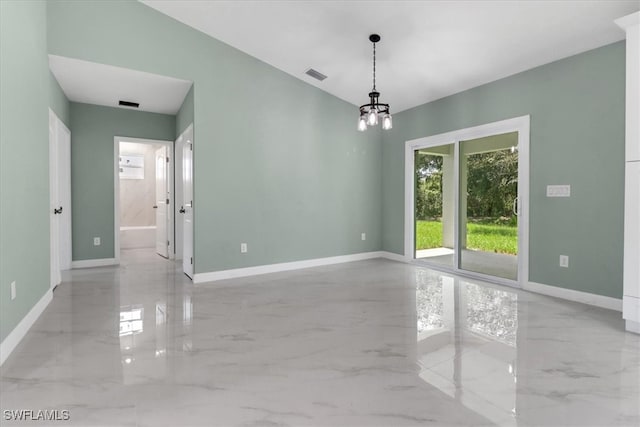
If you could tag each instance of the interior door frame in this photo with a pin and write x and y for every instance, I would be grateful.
(162, 245)
(517, 124)
(177, 170)
(59, 171)
(181, 143)
(116, 192)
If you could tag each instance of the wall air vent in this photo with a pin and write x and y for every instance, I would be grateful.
(315, 74)
(128, 104)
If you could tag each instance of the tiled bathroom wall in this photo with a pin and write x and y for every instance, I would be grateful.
(137, 196)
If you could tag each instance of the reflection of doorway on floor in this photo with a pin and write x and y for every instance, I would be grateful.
(138, 199)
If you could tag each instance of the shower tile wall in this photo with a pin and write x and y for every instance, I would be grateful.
(137, 196)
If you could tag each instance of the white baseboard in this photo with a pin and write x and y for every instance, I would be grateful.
(393, 256)
(554, 291)
(632, 326)
(631, 308)
(13, 339)
(285, 266)
(576, 296)
(89, 263)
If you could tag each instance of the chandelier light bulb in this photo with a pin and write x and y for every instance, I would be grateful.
(387, 122)
(372, 117)
(362, 124)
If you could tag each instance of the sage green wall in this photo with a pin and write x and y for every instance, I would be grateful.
(291, 177)
(58, 101)
(24, 159)
(93, 128)
(577, 137)
(185, 116)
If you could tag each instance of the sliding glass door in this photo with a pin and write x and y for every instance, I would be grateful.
(488, 195)
(466, 200)
(435, 204)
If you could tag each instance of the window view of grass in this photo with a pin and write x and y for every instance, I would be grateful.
(492, 186)
(480, 236)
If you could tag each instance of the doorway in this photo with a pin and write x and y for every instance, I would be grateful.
(59, 198)
(185, 199)
(489, 205)
(143, 196)
(466, 201)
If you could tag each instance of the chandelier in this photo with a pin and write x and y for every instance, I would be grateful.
(369, 113)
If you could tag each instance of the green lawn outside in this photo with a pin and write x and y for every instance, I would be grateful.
(483, 237)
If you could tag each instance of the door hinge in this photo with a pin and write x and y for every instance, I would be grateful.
(167, 201)
(168, 244)
(192, 260)
(167, 159)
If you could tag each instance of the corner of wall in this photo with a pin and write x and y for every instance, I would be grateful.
(185, 115)
(58, 101)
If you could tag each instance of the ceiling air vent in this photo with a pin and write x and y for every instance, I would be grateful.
(128, 104)
(315, 74)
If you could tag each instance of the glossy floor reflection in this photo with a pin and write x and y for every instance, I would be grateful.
(370, 343)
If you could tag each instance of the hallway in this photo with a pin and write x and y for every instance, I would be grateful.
(365, 343)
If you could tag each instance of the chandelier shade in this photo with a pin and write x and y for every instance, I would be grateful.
(370, 113)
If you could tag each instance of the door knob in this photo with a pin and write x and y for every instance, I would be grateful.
(57, 211)
(182, 209)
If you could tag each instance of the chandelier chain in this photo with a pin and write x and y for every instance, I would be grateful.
(374, 67)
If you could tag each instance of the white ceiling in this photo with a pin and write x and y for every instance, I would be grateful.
(92, 83)
(429, 49)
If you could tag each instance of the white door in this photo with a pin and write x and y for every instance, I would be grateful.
(162, 202)
(59, 198)
(178, 198)
(64, 195)
(187, 207)
(54, 206)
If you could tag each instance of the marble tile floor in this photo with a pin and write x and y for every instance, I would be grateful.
(369, 343)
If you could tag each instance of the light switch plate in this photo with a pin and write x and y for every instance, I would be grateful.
(558, 191)
(564, 261)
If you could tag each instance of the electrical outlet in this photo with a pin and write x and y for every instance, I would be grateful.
(363, 236)
(243, 248)
(13, 290)
(96, 241)
(564, 261)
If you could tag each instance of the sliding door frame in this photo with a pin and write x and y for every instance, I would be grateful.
(518, 124)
